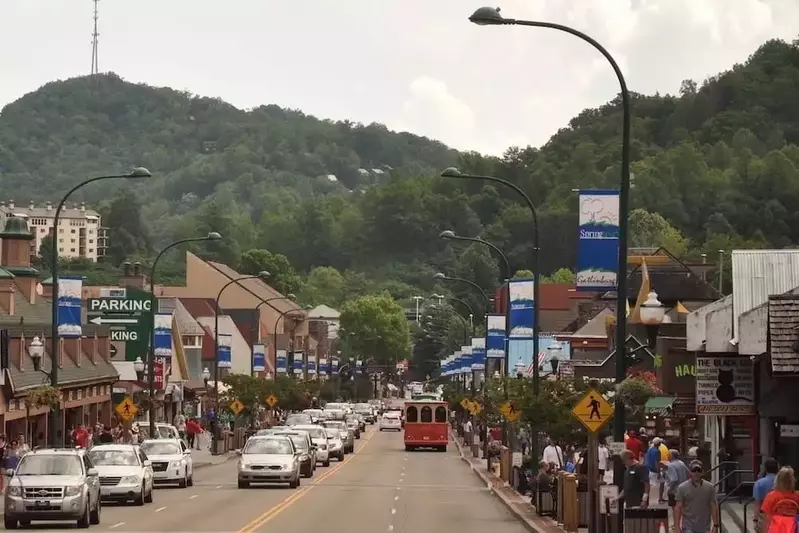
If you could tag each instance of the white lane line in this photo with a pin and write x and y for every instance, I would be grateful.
(193, 496)
(160, 509)
(393, 511)
(399, 488)
(396, 498)
(117, 525)
(218, 486)
(391, 527)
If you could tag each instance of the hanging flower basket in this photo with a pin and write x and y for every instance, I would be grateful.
(635, 391)
(44, 396)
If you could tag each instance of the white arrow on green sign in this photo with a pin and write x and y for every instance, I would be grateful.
(100, 320)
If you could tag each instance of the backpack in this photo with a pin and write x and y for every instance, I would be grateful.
(784, 524)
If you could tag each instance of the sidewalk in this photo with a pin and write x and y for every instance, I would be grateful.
(523, 510)
(203, 458)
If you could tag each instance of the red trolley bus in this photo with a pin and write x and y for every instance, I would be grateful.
(426, 425)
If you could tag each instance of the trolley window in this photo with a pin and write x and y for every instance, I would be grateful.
(427, 414)
(413, 414)
(441, 414)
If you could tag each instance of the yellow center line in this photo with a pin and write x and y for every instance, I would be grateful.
(254, 524)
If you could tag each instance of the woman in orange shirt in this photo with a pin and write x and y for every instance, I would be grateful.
(781, 505)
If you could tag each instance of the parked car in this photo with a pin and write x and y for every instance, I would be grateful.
(126, 474)
(354, 425)
(295, 419)
(336, 445)
(347, 434)
(269, 459)
(171, 460)
(53, 485)
(366, 411)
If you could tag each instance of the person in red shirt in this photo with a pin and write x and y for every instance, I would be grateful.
(81, 436)
(635, 445)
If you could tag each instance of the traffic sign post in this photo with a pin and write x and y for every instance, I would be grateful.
(593, 411)
(237, 407)
(126, 409)
(129, 318)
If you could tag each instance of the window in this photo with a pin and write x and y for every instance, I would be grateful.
(72, 240)
(413, 414)
(72, 231)
(91, 250)
(72, 250)
(441, 414)
(192, 341)
(60, 240)
(61, 249)
(60, 230)
(427, 414)
(42, 230)
(91, 241)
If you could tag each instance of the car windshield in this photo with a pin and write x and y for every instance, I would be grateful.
(299, 442)
(268, 447)
(297, 419)
(50, 465)
(315, 433)
(102, 457)
(160, 448)
(336, 425)
(393, 414)
(332, 433)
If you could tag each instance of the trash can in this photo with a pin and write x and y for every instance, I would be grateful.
(638, 520)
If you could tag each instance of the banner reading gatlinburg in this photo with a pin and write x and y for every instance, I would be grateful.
(162, 335)
(258, 358)
(478, 353)
(70, 300)
(598, 246)
(522, 294)
(281, 362)
(225, 343)
(495, 336)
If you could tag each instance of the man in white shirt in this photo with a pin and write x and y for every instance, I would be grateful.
(603, 456)
(553, 454)
(180, 424)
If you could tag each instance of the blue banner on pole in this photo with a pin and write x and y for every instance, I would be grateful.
(258, 358)
(522, 301)
(70, 301)
(478, 353)
(311, 365)
(281, 362)
(334, 365)
(598, 245)
(162, 335)
(358, 364)
(225, 343)
(323, 366)
(466, 359)
(298, 363)
(495, 336)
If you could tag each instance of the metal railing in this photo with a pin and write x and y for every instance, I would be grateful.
(731, 496)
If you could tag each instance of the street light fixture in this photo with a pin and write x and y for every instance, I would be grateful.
(257, 317)
(653, 314)
(55, 412)
(489, 16)
(520, 366)
(36, 351)
(212, 236)
(444, 277)
(138, 367)
(206, 376)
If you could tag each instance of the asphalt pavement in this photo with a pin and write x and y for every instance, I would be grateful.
(379, 488)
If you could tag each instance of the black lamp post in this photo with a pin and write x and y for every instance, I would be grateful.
(55, 412)
(444, 277)
(262, 276)
(256, 318)
(463, 303)
(213, 236)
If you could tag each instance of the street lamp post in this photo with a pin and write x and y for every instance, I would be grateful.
(491, 16)
(55, 411)
(262, 276)
(444, 277)
(256, 318)
(212, 236)
(463, 303)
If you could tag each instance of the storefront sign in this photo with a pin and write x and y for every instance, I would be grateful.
(724, 386)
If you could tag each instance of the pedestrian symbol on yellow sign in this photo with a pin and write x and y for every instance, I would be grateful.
(126, 409)
(593, 410)
(236, 406)
(271, 400)
(509, 411)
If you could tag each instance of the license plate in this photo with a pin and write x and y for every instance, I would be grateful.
(41, 504)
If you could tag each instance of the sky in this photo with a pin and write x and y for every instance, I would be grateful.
(414, 65)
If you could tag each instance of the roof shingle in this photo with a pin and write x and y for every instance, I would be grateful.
(783, 331)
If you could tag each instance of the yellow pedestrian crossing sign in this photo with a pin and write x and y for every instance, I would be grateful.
(593, 410)
(510, 411)
(466, 404)
(237, 407)
(271, 400)
(475, 408)
(126, 409)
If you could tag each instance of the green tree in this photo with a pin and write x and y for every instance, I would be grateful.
(376, 329)
(561, 276)
(44, 257)
(128, 235)
(282, 276)
(324, 285)
(652, 230)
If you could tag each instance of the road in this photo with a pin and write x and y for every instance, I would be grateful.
(379, 488)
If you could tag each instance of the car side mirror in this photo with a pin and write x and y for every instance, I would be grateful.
(238, 452)
(148, 463)
(92, 472)
(314, 447)
(186, 452)
(9, 473)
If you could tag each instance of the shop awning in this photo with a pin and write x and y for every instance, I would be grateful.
(659, 405)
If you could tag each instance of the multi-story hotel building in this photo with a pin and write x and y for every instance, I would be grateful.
(80, 232)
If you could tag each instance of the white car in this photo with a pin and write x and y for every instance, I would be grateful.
(317, 415)
(334, 414)
(319, 438)
(335, 444)
(269, 459)
(171, 460)
(390, 420)
(164, 431)
(125, 472)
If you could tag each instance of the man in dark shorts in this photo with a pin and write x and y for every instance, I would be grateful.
(635, 491)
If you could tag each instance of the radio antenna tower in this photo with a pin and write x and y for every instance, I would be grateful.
(95, 35)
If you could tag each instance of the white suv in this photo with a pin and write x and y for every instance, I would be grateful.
(125, 472)
(390, 420)
(171, 461)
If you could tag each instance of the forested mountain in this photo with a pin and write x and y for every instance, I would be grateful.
(719, 162)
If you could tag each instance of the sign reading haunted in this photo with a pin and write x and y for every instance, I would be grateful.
(724, 386)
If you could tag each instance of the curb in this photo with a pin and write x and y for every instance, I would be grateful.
(228, 457)
(501, 497)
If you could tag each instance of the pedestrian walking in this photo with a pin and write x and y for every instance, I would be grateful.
(676, 474)
(696, 509)
(762, 487)
(652, 462)
(781, 506)
(635, 490)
